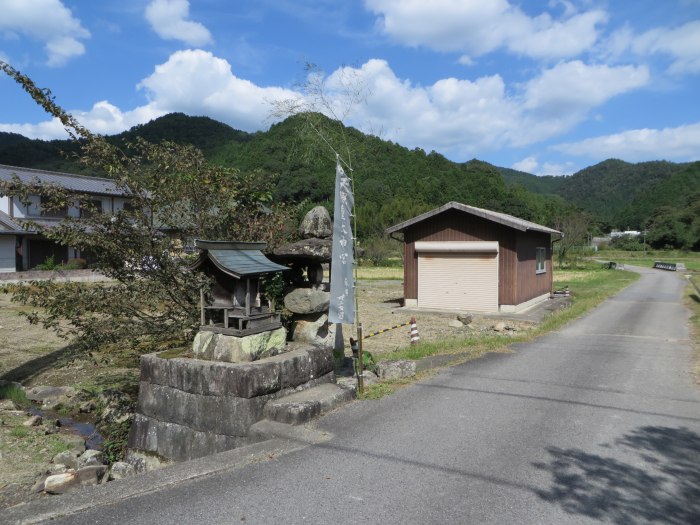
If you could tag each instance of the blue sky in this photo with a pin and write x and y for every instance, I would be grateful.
(543, 86)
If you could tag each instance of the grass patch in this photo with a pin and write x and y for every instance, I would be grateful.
(692, 301)
(15, 393)
(377, 273)
(647, 259)
(590, 286)
(19, 432)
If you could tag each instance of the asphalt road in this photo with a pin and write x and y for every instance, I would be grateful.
(599, 422)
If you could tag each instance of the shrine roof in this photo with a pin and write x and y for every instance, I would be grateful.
(238, 259)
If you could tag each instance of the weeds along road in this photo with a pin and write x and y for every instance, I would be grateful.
(598, 422)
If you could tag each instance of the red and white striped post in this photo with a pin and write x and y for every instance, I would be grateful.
(415, 337)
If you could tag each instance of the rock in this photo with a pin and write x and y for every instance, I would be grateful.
(310, 250)
(52, 428)
(61, 483)
(56, 468)
(38, 484)
(145, 462)
(499, 327)
(231, 349)
(307, 301)
(33, 421)
(90, 458)
(314, 329)
(455, 324)
(7, 404)
(121, 470)
(316, 223)
(51, 396)
(92, 474)
(69, 458)
(87, 407)
(396, 369)
(465, 318)
(76, 442)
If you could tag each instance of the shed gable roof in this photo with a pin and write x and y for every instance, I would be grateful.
(493, 216)
(76, 183)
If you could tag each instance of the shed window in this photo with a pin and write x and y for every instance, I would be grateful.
(541, 260)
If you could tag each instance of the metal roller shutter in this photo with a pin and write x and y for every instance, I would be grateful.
(458, 281)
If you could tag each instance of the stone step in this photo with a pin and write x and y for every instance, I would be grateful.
(266, 429)
(303, 406)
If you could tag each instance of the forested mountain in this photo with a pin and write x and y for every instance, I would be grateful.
(393, 183)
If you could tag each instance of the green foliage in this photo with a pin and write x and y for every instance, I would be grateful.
(48, 264)
(273, 288)
(15, 393)
(153, 303)
(116, 436)
(628, 243)
(381, 251)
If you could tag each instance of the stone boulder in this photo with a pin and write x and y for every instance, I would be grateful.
(455, 323)
(307, 301)
(51, 396)
(69, 458)
(121, 470)
(465, 318)
(231, 349)
(316, 223)
(308, 250)
(314, 329)
(90, 458)
(396, 369)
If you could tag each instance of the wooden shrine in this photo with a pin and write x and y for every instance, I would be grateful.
(235, 305)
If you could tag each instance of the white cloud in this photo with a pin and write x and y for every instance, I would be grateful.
(169, 19)
(562, 96)
(47, 21)
(528, 165)
(475, 27)
(681, 43)
(460, 118)
(103, 118)
(198, 83)
(450, 115)
(681, 143)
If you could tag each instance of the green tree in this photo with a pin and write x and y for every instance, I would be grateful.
(174, 194)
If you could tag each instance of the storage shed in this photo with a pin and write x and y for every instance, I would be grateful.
(458, 257)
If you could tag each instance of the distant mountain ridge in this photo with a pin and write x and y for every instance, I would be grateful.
(393, 182)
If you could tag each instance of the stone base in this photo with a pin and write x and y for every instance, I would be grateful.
(190, 408)
(231, 349)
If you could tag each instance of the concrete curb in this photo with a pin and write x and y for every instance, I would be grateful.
(58, 506)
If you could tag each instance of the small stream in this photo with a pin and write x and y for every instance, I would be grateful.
(84, 429)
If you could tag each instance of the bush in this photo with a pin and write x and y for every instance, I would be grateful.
(627, 243)
(48, 264)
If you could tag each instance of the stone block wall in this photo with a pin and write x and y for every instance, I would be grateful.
(190, 408)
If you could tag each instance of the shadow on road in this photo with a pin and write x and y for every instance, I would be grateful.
(662, 486)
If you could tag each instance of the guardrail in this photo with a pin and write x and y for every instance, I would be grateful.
(671, 267)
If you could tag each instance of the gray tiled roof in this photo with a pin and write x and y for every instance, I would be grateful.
(9, 226)
(494, 216)
(77, 183)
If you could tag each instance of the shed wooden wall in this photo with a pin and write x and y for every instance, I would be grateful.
(530, 284)
(518, 280)
(454, 225)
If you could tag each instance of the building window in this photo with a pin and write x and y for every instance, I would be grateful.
(541, 260)
(90, 208)
(47, 209)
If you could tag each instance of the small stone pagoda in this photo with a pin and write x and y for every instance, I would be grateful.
(236, 323)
